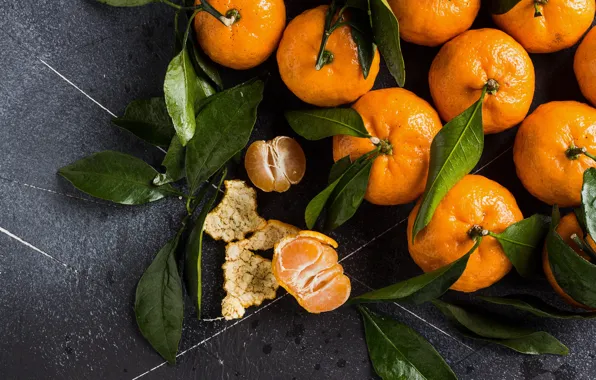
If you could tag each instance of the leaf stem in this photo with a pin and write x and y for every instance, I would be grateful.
(584, 247)
(325, 56)
(573, 153)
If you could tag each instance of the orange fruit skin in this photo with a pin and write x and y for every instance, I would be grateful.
(585, 66)
(249, 41)
(433, 22)
(338, 82)
(539, 151)
(409, 123)
(568, 225)
(306, 265)
(561, 26)
(475, 200)
(464, 65)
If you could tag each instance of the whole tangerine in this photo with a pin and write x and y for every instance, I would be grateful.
(404, 126)
(338, 82)
(585, 66)
(473, 201)
(548, 151)
(250, 40)
(547, 26)
(477, 59)
(433, 22)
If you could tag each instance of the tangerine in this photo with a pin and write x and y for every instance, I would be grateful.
(477, 59)
(339, 81)
(552, 149)
(585, 66)
(250, 40)
(547, 26)
(404, 126)
(433, 22)
(568, 225)
(473, 201)
(275, 165)
(306, 265)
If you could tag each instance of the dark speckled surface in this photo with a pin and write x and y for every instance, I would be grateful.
(69, 264)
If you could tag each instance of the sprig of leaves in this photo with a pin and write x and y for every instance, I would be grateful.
(386, 35)
(454, 152)
(398, 352)
(421, 288)
(474, 324)
(149, 120)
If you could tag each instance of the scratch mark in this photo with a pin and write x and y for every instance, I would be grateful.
(213, 336)
(493, 160)
(29, 245)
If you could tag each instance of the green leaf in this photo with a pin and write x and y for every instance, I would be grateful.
(499, 7)
(536, 306)
(351, 187)
(159, 303)
(386, 32)
(362, 35)
(321, 123)
(421, 288)
(397, 352)
(454, 152)
(173, 162)
(349, 193)
(588, 205)
(574, 274)
(128, 3)
(339, 168)
(483, 326)
(521, 243)
(149, 120)
(194, 250)
(180, 90)
(581, 219)
(205, 66)
(224, 127)
(116, 177)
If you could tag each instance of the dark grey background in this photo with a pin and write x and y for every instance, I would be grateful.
(69, 264)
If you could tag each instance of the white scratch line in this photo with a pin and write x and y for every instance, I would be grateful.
(370, 241)
(214, 335)
(494, 159)
(415, 315)
(75, 86)
(10, 234)
(55, 192)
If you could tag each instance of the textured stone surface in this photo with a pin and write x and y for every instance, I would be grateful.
(67, 312)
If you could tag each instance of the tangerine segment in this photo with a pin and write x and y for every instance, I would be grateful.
(249, 41)
(560, 25)
(568, 225)
(275, 165)
(306, 265)
(409, 124)
(585, 66)
(464, 65)
(540, 147)
(433, 22)
(338, 82)
(475, 200)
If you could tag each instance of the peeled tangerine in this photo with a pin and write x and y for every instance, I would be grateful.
(306, 266)
(275, 165)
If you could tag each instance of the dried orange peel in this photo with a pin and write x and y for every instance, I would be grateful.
(236, 215)
(306, 265)
(248, 279)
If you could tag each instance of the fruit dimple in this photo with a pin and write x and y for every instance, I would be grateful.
(275, 165)
(306, 265)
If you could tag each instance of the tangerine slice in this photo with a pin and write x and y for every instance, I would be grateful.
(306, 265)
(275, 165)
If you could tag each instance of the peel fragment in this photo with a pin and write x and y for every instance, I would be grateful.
(236, 215)
(248, 277)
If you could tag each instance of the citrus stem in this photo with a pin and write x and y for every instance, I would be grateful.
(232, 16)
(573, 153)
(325, 56)
(492, 86)
(584, 247)
(537, 9)
(477, 232)
(384, 146)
